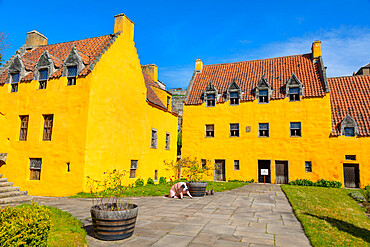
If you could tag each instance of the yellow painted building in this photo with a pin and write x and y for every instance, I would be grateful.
(281, 117)
(80, 108)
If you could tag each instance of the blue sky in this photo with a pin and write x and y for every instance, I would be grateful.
(173, 34)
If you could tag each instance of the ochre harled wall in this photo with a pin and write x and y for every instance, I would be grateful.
(100, 124)
(326, 153)
(120, 120)
(69, 104)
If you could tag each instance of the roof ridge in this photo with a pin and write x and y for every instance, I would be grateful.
(348, 76)
(258, 59)
(75, 40)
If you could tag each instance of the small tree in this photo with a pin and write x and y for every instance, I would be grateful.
(190, 167)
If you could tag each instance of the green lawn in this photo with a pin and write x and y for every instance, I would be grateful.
(65, 230)
(329, 216)
(163, 189)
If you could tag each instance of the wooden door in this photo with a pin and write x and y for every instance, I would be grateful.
(264, 165)
(281, 171)
(351, 175)
(220, 170)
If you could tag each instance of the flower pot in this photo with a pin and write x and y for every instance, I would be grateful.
(197, 189)
(114, 224)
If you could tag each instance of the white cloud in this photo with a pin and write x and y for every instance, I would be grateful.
(344, 50)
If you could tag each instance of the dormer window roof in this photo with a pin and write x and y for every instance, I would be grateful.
(234, 93)
(210, 95)
(348, 126)
(44, 67)
(263, 91)
(294, 88)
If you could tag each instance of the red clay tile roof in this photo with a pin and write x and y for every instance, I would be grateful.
(150, 94)
(350, 95)
(277, 71)
(89, 50)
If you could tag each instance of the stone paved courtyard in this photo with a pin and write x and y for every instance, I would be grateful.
(253, 215)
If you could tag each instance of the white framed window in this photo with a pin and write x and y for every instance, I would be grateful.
(308, 166)
(154, 137)
(71, 75)
(43, 77)
(211, 100)
(295, 129)
(294, 94)
(168, 141)
(234, 98)
(234, 130)
(236, 165)
(210, 130)
(263, 130)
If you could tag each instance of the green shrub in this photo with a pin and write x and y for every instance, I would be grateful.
(318, 183)
(150, 181)
(28, 225)
(162, 180)
(365, 193)
(236, 180)
(356, 195)
(250, 181)
(139, 182)
(367, 187)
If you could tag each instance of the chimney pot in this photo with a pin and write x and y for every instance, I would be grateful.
(35, 39)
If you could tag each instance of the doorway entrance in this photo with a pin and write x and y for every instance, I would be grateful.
(351, 175)
(281, 171)
(220, 170)
(264, 165)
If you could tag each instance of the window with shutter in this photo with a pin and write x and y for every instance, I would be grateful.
(133, 168)
(35, 168)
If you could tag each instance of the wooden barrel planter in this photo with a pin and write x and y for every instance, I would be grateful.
(114, 225)
(197, 189)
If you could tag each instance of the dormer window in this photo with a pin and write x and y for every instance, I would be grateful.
(43, 77)
(210, 95)
(263, 91)
(294, 88)
(211, 99)
(233, 93)
(234, 98)
(349, 131)
(294, 94)
(72, 74)
(263, 96)
(348, 127)
(14, 82)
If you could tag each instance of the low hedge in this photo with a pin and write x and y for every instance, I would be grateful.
(318, 183)
(28, 225)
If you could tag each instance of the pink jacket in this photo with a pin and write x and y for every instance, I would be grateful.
(178, 190)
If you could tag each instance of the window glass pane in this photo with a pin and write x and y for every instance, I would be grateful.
(263, 92)
(294, 90)
(349, 131)
(210, 96)
(72, 71)
(234, 95)
(209, 127)
(15, 77)
(134, 164)
(35, 163)
(43, 75)
(234, 126)
(295, 125)
(264, 126)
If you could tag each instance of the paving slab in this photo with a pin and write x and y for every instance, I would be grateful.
(253, 215)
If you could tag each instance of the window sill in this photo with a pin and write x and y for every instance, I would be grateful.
(153, 147)
(263, 136)
(233, 136)
(209, 137)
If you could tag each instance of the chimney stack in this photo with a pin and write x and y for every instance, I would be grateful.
(316, 49)
(151, 70)
(123, 24)
(35, 39)
(198, 65)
